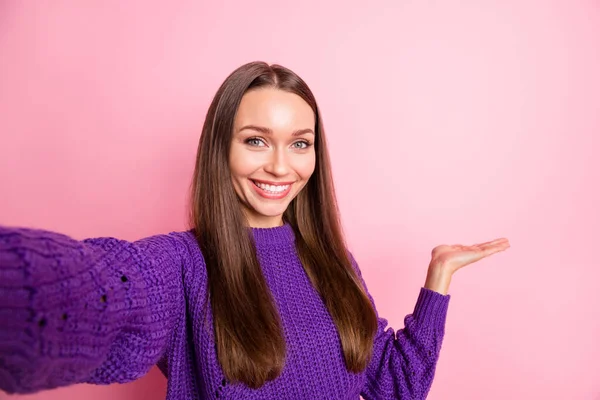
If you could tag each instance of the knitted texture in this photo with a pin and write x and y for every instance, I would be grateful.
(105, 310)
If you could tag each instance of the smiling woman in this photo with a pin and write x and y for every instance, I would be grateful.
(263, 133)
(259, 299)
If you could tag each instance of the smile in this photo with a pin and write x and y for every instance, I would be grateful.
(271, 191)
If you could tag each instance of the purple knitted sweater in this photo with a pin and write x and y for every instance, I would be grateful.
(105, 310)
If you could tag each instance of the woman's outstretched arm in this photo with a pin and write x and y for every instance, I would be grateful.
(404, 362)
(98, 310)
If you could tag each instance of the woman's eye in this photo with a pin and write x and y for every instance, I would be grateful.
(301, 144)
(255, 142)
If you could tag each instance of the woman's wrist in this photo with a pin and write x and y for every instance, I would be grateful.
(438, 279)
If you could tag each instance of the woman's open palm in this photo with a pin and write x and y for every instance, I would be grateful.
(457, 256)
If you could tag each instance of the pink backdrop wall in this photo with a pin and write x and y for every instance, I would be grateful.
(452, 121)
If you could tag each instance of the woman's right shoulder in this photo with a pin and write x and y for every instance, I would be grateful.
(185, 241)
(189, 250)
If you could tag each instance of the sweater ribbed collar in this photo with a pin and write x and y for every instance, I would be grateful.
(276, 236)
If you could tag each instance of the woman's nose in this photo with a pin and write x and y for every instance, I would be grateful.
(278, 163)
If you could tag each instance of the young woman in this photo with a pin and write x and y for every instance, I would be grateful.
(260, 299)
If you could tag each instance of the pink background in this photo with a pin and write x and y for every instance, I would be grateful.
(448, 122)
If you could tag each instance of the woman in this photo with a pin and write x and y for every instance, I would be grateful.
(259, 300)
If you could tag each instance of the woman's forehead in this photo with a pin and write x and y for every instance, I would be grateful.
(274, 109)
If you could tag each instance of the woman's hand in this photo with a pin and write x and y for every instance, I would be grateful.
(446, 260)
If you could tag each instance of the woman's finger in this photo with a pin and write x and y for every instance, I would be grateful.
(493, 242)
(492, 248)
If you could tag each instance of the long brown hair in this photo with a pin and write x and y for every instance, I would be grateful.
(248, 332)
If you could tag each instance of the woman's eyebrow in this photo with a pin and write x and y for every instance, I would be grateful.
(268, 131)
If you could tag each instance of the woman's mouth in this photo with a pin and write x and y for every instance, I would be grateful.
(271, 191)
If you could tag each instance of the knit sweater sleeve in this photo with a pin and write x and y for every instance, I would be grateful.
(404, 361)
(98, 310)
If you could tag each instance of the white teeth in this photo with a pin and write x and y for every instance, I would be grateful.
(272, 188)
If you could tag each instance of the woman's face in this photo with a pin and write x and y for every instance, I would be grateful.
(272, 153)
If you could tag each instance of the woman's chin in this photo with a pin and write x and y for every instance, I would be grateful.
(268, 212)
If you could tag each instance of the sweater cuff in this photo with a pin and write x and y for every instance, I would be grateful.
(431, 308)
